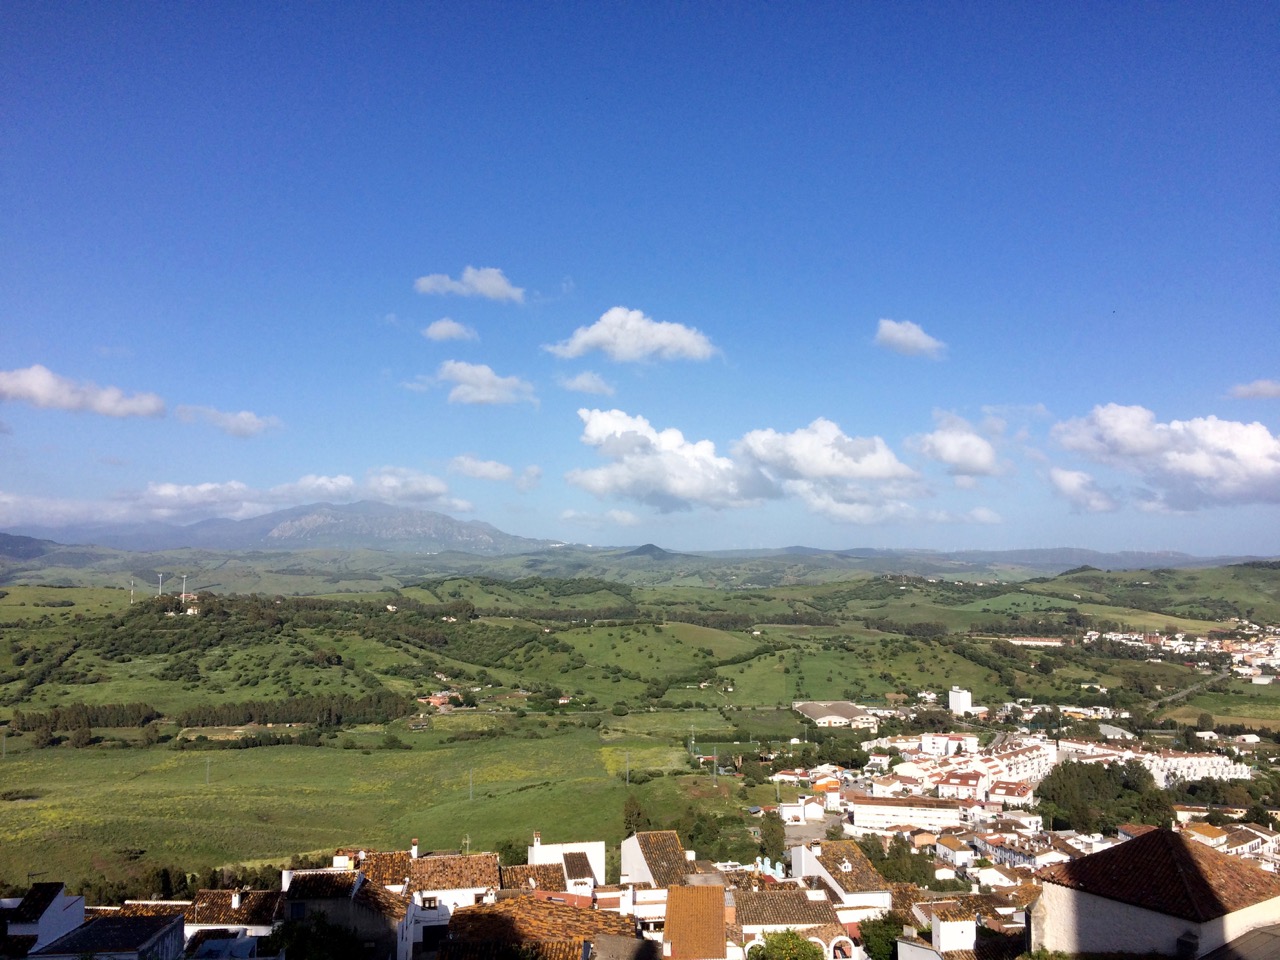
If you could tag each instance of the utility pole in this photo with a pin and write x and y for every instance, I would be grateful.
(207, 762)
(160, 589)
(471, 787)
(628, 768)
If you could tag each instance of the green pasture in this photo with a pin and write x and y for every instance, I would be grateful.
(73, 812)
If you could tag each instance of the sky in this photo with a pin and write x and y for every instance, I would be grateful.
(707, 275)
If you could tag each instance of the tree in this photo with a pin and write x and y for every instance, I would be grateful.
(880, 937)
(512, 852)
(634, 818)
(1204, 722)
(773, 836)
(787, 945)
(81, 737)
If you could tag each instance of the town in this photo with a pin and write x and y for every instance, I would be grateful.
(964, 816)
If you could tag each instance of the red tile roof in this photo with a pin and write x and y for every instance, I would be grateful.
(664, 854)
(695, 923)
(545, 876)
(478, 871)
(1168, 873)
(850, 868)
(530, 920)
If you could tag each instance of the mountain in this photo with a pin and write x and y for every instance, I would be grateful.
(366, 525)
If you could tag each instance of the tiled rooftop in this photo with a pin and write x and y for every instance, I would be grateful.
(776, 907)
(321, 884)
(1180, 877)
(477, 871)
(665, 856)
(258, 908)
(530, 920)
(695, 923)
(850, 868)
(544, 876)
(577, 866)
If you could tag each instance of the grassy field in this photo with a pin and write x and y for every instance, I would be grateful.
(73, 813)
(496, 773)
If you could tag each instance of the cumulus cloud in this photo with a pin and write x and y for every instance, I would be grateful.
(957, 444)
(851, 479)
(822, 451)
(41, 387)
(656, 467)
(447, 329)
(404, 485)
(1081, 490)
(1265, 389)
(241, 424)
(1186, 464)
(903, 336)
(984, 515)
(488, 282)
(587, 382)
(529, 477)
(628, 336)
(470, 466)
(477, 383)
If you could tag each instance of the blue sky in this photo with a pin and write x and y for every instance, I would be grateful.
(708, 275)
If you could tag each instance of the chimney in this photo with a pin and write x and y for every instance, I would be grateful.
(413, 850)
(909, 933)
(537, 838)
(286, 877)
(235, 899)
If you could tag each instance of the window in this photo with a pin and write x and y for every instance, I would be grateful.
(430, 903)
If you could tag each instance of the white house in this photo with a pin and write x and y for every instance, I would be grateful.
(1157, 893)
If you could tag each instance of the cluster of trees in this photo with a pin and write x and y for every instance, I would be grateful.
(1089, 797)
(76, 715)
(326, 710)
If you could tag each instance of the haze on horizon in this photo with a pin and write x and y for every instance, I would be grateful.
(995, 277)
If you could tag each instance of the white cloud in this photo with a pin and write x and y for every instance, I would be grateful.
(823, 451)
(587, 382)
(41, 387)
(908, 338)
(628, 336)
(1265, 389)
(447, 329)
(488, 282)
(404, 485)
(1186, 464)
(851, 479)
(242, 424)
(1080, 489)
(957, 444)
(314, 487)
(529, 477)
(477, 383)
(470, 466)
(657, 467)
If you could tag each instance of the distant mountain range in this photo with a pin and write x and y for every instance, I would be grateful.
(364, 525)
(310, 548)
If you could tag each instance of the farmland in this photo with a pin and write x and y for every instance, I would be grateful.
(562, 687)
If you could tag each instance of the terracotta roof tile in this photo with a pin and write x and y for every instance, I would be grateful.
(386, 868)
(36, 901)
(382, 901)
(545, 876)
(777, 907)
(577, 866)
(258, 908)
(1181, 877)
(154, 908)
(850, 868)
(477, 871)
(665, 856)
(327, 884)
(695, 923)
(528, 920)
